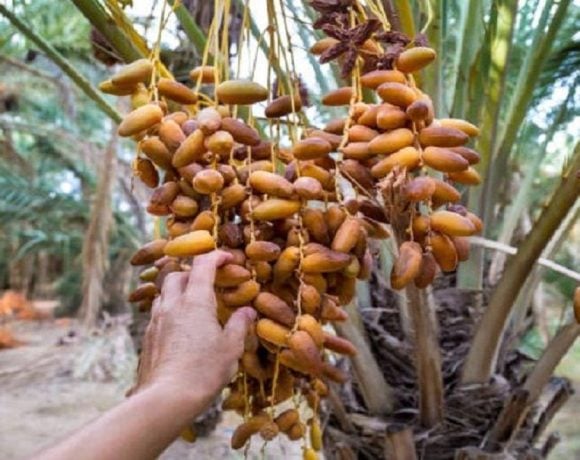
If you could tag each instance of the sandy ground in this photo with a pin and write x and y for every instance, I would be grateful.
(47, 391)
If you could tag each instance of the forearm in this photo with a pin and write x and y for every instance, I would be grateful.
(186, 360)
(140, 428)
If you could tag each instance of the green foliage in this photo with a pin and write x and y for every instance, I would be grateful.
(41, 216)
(62, 26)
(568, 258)
(55, 131)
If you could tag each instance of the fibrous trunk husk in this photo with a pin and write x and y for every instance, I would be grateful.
(472, 412)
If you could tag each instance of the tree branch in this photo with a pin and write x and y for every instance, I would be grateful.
(376, 392)
(190, 27)
(507, 249)
(553, 354)
(83, 84)
(482, 357)
(427, 356)
(101, 21)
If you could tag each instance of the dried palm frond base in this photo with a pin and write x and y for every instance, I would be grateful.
(474, 426)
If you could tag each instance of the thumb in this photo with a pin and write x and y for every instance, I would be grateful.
(237, 327)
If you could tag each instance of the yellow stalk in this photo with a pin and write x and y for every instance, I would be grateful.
(405, 16)
(123, 23)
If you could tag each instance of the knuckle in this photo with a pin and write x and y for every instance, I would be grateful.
(236, 347)
(159, 313)
(202, 265)
(156, 308)
(207, 259)
(172, 278)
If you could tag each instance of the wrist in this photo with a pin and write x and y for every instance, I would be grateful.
(188, 403)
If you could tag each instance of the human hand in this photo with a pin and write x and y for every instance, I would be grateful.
(185, 350)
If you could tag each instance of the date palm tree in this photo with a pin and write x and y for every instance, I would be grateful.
(456, 385)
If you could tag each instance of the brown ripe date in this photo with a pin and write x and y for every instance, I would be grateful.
(444, 160)
(145, 171)
(262, 251)
(271, 184)
(419, 189)
(140, 119)
(176, 91)
(311, 148)
(190, 150)
(275, 308)
(414, 59)
(397, 94)
(241, 92)
(376, 78)
(427, 272)
(391, 141)
(407, 265)
(274, 209)
(190, 244)
(149, 253)
(231, 275)
(440, 136)
(340, 96)
(240, 131)
(308, 188)
(208, 181)
(444, 251)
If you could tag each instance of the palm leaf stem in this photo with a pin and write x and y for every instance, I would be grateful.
(83, 84)
(482, 356)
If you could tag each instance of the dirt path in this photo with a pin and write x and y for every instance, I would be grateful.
(47, 391)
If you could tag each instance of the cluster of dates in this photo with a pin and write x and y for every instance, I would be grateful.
(298, 247)
(414, 161)
(297, 252)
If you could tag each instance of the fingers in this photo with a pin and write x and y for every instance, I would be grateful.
(145, 358)
(237, 328)
(202, 276)
(172, 290)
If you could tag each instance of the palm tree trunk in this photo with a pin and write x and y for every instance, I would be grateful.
(423, 334)
(96, 242)
(427, 356)
(42, 282)
(20, 272)
(118, 280)
(376, 392)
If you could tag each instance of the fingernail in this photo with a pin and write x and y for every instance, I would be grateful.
(250, 313)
